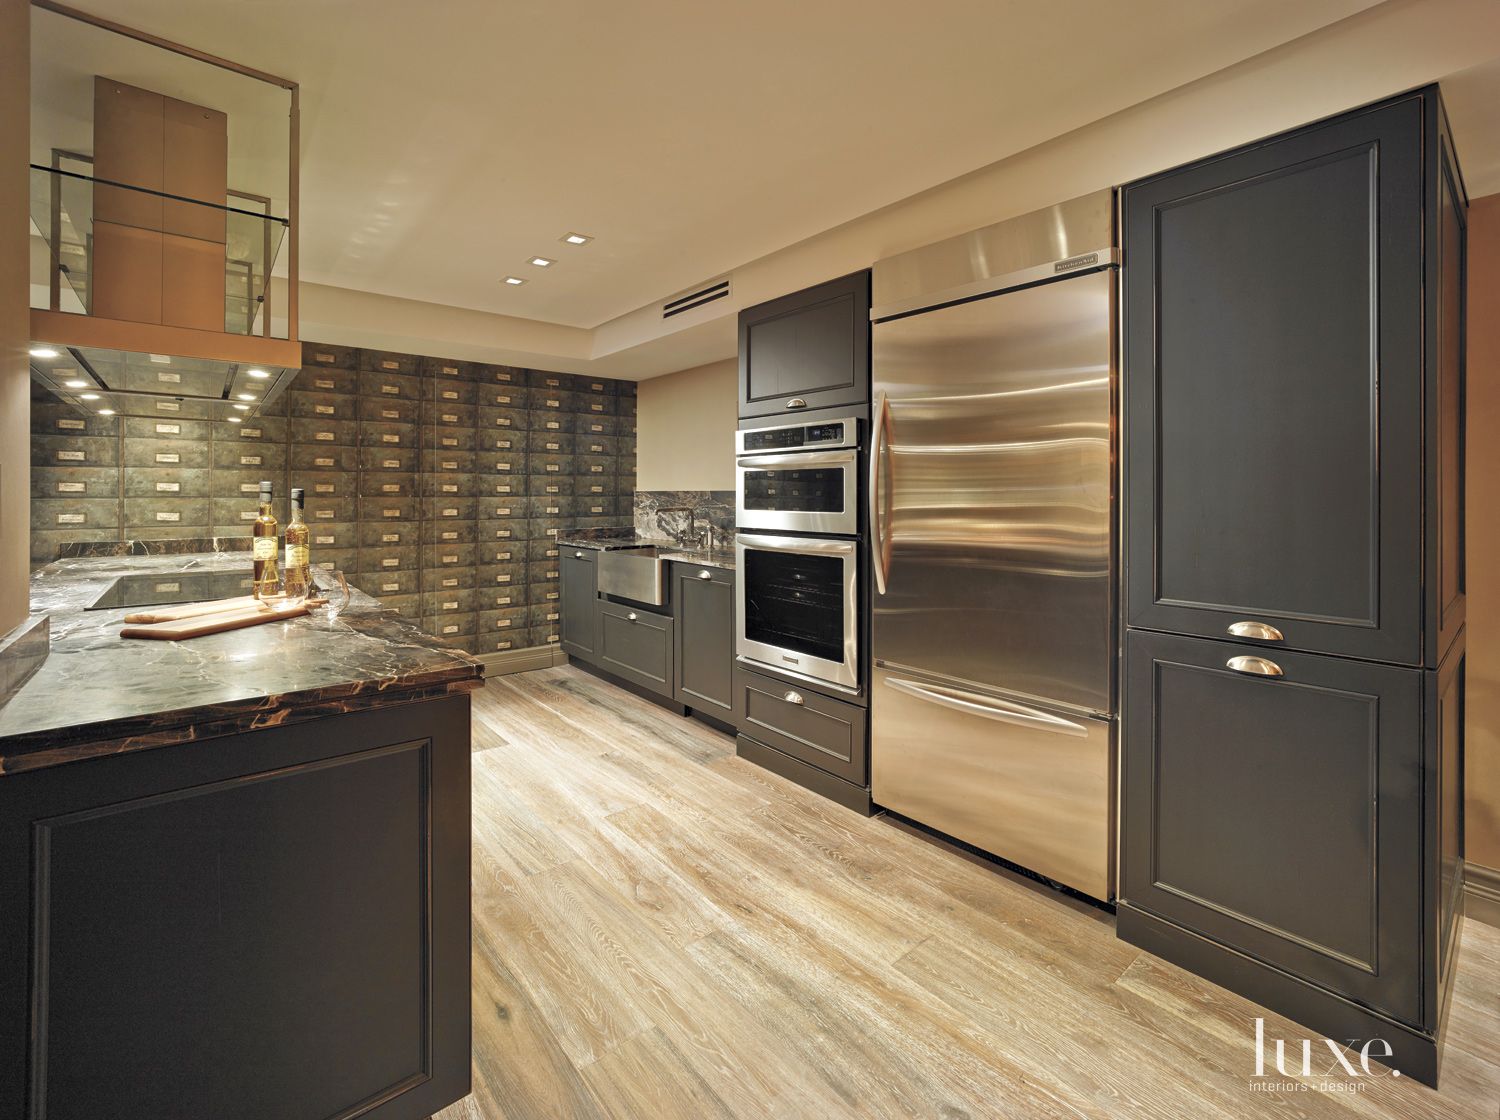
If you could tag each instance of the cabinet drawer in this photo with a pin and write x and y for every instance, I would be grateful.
(637, 645)
(1278, 815)
(817, 729)
(322, 354)
(323, 379)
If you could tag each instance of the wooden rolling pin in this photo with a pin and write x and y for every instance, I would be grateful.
(213, 606)
(234, 619)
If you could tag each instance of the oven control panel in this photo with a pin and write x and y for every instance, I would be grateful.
(799, 437)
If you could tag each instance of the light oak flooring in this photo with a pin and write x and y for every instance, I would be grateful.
(662, 930)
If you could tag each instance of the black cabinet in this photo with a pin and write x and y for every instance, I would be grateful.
(1279, 815)
(274, 923)
(703, 608)
(579, 586)
(1273, 302)
(636, 645)
(807, 350)
(1293, 386)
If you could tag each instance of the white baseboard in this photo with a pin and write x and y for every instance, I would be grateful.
(522, 660)
(1482, 894)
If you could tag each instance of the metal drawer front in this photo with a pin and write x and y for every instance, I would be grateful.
(1030, 785)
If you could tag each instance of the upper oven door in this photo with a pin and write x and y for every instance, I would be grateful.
(799, 492)
(797, 606)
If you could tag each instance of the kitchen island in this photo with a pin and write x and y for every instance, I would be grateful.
(236, 869)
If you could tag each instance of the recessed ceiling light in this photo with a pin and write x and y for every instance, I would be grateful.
(576, 238)
(234, 419)
(542, 262)
(89, 396)
(260, 374)
(246, 396)
(43, 352)
(514, 280)
(76, 384)
(243, 407)
(106, 412)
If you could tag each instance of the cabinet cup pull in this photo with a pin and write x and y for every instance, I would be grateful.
(1255, 666)
(578, 555)
(631, 616)
(705, 575)
(1259, 630)
(794, 698)
(796, 402)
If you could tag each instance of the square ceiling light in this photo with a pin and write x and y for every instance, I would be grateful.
(576, 238)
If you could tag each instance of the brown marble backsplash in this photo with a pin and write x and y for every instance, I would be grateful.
(436, 485)
(715, 506)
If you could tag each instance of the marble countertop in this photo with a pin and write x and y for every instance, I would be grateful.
(97, 693)
(606, 540)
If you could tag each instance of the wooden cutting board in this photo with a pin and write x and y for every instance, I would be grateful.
(235, 618)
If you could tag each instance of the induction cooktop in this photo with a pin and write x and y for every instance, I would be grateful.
(160, 588)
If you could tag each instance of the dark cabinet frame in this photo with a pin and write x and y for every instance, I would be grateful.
(845, 303)
(578, 583)
(703, 606)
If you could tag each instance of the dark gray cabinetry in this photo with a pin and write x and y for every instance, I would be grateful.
(815, 729)
(1274, 353)
(274, 923)
(703, 609)
(1291, 801)
(807, 350)
(1279, 815)
(578, 580)
(636, 645)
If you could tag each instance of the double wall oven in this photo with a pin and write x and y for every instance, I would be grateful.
(798, 551)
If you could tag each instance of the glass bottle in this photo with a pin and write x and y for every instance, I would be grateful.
(267, 573)
(296, 572)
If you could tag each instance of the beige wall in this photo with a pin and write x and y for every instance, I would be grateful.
(15, 319)
(685, 422)
(1482, 743)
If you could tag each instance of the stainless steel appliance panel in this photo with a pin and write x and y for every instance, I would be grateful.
(991, 493)
(1029, 783)
(802, 492)
(1077, 234)
(797, 606)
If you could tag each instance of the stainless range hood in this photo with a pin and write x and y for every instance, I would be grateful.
(117, 382)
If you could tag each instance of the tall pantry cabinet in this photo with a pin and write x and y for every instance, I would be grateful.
(1293, 380)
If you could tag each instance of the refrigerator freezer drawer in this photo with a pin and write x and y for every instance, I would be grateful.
(1028, 784)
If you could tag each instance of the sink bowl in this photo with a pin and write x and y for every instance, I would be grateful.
(638, 574)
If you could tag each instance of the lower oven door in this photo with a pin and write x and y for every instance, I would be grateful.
(797, 606)
(804, 492)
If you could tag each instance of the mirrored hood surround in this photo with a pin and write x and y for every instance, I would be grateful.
(93, 379)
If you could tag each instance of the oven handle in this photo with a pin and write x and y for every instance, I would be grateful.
(880, 550)
(802, 459)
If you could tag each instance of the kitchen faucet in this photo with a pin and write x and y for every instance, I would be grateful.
(701, 536)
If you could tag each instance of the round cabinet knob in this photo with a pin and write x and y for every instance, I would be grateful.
(794, 698)
(631, 616)
(705, 575)
(579, 554)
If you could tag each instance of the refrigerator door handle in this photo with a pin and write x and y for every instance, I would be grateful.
(879, 447)
(988, 707)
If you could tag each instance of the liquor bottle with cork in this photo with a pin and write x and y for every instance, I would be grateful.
(296, 573)
(267, 574)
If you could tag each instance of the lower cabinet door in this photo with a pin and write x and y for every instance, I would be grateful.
(1271, 802)
(703, 600)
(577, 576)
(636, 644)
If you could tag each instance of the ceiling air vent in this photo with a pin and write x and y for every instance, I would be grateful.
(695, 298)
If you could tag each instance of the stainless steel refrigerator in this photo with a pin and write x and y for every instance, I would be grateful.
(992, 540)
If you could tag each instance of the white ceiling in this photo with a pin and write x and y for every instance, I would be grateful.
(447, 141)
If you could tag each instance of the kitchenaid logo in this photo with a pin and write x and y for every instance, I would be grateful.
(1323, 1066)
(1076, 262)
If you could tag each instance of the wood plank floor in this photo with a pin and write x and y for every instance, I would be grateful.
(662, 930)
